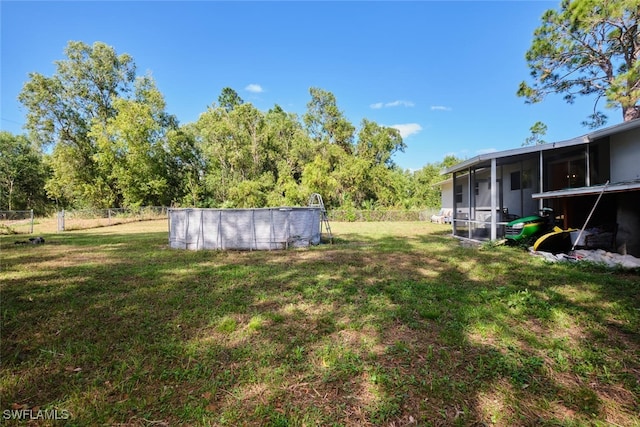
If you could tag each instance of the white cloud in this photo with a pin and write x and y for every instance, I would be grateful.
(407, 129)
(398, 103)
(255, 88)
(440, 108)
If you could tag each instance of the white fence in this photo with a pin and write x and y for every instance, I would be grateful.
(16, 221)
(244, 229)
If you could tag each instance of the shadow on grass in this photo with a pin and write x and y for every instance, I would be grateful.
(373, 330)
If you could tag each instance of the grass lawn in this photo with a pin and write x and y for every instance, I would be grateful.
(393, 324)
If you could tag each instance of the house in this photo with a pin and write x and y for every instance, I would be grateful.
(489, 190)
(446, 202)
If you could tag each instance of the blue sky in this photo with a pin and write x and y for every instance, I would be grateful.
(443, 72)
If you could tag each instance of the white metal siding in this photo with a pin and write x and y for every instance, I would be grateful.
(625, 156)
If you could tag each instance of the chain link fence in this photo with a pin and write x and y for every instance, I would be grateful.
(15, 222)
(354, 215)
(93, 218)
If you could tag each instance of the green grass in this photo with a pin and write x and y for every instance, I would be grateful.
(395, 323)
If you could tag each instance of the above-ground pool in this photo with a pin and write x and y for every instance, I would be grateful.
(244, 229)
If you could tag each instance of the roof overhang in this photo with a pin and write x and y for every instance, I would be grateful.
(588, 191)
(484, 160)
(506, 156)
(441, 183)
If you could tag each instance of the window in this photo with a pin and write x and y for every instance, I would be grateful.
(520, 181)
(515, 180)
(567, 172)
(575, 174)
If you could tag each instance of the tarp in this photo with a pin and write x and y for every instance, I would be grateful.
(597, 256)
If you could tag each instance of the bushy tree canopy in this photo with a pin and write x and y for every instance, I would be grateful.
(113, 144)
(588, 47)
(23, 173)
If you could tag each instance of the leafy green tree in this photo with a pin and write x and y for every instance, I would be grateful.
(354, 180)
(250, 193)
(377, 144)
(538, 131)
(332, 140)
(366, 177)
(186, 168)
(389, 186)
(326, 123)
(237, 148)
(588, 47)
(425, 193)
(319, 176)
(62, 110)
(449, 160)
(290, 149)
(22, 174)
(229, 99)
(131, 148)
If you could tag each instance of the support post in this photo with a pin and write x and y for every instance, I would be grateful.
(455, 206)
(470, 192)
(587, 175)
(541, 181)
(61, 221)
(494, 204)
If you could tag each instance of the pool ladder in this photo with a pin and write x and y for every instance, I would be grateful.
(315, 201)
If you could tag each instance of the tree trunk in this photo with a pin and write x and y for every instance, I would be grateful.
(631, 113)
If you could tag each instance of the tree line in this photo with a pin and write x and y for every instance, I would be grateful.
(99, 136)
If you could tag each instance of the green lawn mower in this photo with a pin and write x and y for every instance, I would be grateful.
(523, 230)
(541, 231)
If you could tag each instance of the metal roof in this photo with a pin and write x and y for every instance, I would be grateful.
(585, 191)
(523, 151)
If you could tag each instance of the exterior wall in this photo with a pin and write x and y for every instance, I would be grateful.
(446, 195)
(625, 166)
(461, 206)
(511, 198)
(628, 219)
(625, 156)
(482, 197)
(519, 201)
